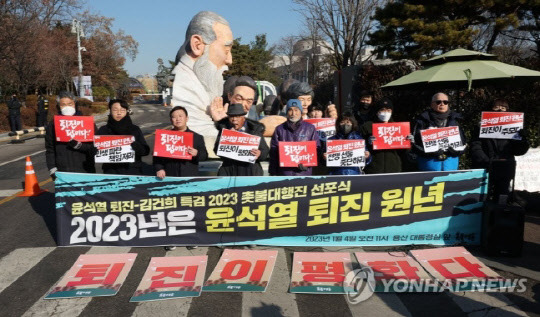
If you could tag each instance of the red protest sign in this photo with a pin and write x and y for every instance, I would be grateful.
(293, 153)
(391, 135)
(94, 275)
(238, 145)
(242, 271)
(173, 144)
(501, 125)
(80, 128)
(325, 126)
(320, 272)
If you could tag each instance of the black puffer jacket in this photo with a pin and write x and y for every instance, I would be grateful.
(65, 158)
(485, 150)
(237, 168)
(140, 147)
(183, 168)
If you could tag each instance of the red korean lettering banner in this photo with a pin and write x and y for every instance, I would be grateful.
(80, 128)
(94, 275)
(291, 154)
(114, 148)
(321, 272)
(391, 135)
(238, 145)
(455, 266)
(242, 271)
(325, 126)
(501, 125)
(345, 153)
(171, 277)
(173, 144)
(442, 139)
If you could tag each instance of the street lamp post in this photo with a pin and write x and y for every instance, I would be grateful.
(76, 28)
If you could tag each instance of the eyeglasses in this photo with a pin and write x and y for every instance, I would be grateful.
(441, 101)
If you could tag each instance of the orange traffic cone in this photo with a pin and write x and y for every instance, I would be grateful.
(31, 186)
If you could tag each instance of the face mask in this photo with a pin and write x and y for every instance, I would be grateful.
(364, 105)
(384, 116)
(68, 111)
(345, 128)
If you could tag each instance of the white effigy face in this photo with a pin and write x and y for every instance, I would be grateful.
(199, 77)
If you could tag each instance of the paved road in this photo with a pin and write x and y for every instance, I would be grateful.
(30, 264)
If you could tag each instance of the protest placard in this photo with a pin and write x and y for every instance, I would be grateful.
(389, 269)
(173, 144)
(238, 145)
(343, 153)
(293, 153)
(242, 271)
(325, 126)
(457, 267)
(501, 125)
(442, 138)
(94, 275)
(320, 272)
(171, 277)
(114, 148)
(391, 135)
(80, 128)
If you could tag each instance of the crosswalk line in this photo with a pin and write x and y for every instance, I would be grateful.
(276, 301)
(68, 306)
(477, 304)
(18, 262)
(179, 306)
(387, 304)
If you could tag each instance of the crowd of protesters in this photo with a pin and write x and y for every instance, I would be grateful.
(290, 108)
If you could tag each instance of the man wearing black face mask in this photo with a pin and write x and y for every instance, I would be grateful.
(363, 112)
(498, 155)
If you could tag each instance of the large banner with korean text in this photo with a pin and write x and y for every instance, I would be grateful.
(440, 208)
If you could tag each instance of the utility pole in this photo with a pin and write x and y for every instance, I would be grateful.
(76, 28)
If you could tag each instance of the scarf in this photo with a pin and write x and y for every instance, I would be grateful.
(122, 127)
(440, 119)
(293, 126)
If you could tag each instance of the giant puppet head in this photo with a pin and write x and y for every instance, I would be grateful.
(200, 63)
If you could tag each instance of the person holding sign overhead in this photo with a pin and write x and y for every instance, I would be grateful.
(119, 123)
(498, 155)
(177, 167)
(384, 160)
(294, 130)
(439, 115)
(346, 129)
(236, 120)
(70, 156)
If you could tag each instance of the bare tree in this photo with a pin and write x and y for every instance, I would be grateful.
(286, 52)
(345, 24)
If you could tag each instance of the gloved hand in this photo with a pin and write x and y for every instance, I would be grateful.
(302, 167)
(372, 139)
(52, 172)
(74, 144)
(410, 137)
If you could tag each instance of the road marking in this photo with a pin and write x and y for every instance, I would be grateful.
(276, 301)
(18, 262)
(22, 157)
(179, 306)
(68, 306)
(151, 110)
(9, 192)
(5, 200)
